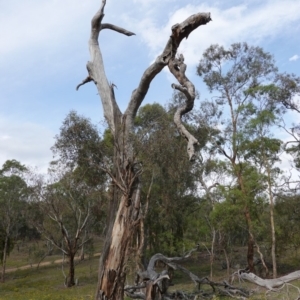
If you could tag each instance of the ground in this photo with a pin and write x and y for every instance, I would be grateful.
(25, 282)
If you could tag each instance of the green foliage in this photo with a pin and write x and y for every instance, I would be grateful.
(246, 106)
(163, 155)
(188, 203)
(79, 148)
(293, 147)
(70, 203)
(288, 212)
(243, 66)
(13, 194)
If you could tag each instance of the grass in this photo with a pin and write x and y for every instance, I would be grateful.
(46, 283)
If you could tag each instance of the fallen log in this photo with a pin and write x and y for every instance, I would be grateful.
(271, 284)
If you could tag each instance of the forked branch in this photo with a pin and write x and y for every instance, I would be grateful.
(177, 67)
(97, 74)
(96, 71)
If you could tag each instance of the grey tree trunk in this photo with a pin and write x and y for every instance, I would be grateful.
(273, 234)
(125, 215)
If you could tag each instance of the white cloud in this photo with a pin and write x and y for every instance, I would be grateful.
(146, 2)
(294, 57)
(26, 142)
(238, 23)
(41, 39)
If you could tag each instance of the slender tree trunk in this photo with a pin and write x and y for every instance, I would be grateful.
(4, 258)
(271, 204)
(227, 262)
(212, 253)
(273, 249)
(82, 247)
(251, 243)
(262, 259)
(71, 276)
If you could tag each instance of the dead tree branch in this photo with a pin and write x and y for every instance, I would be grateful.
(153, 284)
(271, 284)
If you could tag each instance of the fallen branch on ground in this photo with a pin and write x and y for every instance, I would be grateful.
(271, 284)
(152, 285)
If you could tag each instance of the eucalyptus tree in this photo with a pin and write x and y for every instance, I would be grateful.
(173, 187)
(73, 189)
(263, 149)
(64, 215)
(229, 74)
(80, 148)
(13, 194)
(287, 91)
(125, 208)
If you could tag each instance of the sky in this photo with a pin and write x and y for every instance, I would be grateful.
(44, 50)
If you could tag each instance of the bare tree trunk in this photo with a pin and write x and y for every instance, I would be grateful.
(82, 247)
(273, 250)
(111, 271)
(4, 258)
(212, 252)
(262, 259)
(71, 275)
(227, 262)
(273, 235)
(124, 215)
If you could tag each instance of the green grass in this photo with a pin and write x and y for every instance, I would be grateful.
(46, 283)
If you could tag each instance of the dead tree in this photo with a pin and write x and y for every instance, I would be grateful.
(153, 285)
(124, 212)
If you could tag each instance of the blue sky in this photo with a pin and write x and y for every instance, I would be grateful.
(44, 50)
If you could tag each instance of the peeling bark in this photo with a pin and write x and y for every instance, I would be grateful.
(125, 216)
